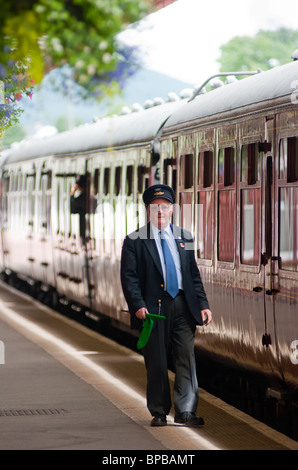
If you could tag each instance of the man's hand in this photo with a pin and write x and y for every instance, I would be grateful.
(206, 316)
(141, 313)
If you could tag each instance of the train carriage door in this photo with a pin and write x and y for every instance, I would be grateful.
(142, 184)
(45, 226)
(285, 273)
(89, 252)
(107, 213)
(30, 195)
(4, 216)
(131, 219)
(118, 210)
(205, 203)
(268, 256)
(186, 183)
(170, 172)
(58, 232)
(169, 157)
(287, 188)
(1, 224)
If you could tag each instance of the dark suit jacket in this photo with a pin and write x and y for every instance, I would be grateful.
(142, 278)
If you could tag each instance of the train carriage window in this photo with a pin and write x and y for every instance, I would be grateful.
(226, 201)
(117, 186)
(205, 173)
(204, 224)
(226, 225)
(96, 181)
(250, 164)
(288, 228)
(205, 199)
(250, 205)
(129, 180)
(106, 181)
(186, 191)
(143, 178)
(288, 203)
(5, 189)
(170, 172)
(288, 159)
(226, 166)
(186, 168)
(166, 165)
(30, 197)
(45, 203)
(250, 226)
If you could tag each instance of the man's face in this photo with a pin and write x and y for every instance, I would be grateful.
(160, 212)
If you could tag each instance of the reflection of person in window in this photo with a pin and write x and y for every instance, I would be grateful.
(78, 202)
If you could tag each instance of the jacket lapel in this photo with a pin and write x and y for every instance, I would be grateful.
(180, 242)
(151, 247)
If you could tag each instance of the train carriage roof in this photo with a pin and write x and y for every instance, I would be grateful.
(257, 89)
(135, 129)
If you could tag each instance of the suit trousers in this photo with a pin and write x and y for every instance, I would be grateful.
(175, 333)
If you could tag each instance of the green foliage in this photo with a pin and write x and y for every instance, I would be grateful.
(80, 33)
(15, 133)
(15, 83)
(264, 50)
(62, 123)
(41, 35)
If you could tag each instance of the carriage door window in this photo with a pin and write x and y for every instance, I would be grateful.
(288, 203)
(5, 192)
(170, 172)
(186, 191)
(142, 184)
(107, 209)
(250, 205)
(117, 209)
(205, 205)
(226, 204)
(45, 206)
(131, 222)
(30, 197)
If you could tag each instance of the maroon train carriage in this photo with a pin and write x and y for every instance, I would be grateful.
(232, 157)
(41, 234)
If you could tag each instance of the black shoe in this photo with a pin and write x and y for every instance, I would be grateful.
(189, 419)
(159, 420)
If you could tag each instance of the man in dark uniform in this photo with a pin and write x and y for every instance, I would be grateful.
(159, 275)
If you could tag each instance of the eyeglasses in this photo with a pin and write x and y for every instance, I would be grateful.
(160, 207)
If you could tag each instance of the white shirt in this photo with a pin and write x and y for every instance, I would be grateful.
(174, 251)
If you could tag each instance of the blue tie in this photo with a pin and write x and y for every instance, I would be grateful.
(172, 280)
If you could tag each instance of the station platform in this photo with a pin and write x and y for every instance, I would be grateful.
(65, 387)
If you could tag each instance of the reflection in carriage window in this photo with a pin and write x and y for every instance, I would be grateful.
(226, 204)
(288, 203)
(186, 191)
(250, 226)
(250, 205)
(288, 228)
(226, 225)
(205, 205)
